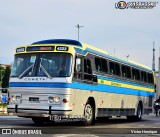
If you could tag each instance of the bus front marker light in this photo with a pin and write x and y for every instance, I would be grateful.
(65, 100)
(9, 99)
(50, 99)
(18, 98)
(56, 99)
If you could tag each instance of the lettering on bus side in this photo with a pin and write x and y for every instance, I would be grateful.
(34, 79)
(115, 84)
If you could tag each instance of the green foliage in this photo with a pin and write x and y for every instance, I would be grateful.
(1, 73)
(5, 79)
(3, 105)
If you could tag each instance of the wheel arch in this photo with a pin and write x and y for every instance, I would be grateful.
(92, 100)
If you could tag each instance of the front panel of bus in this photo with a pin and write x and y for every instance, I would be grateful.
(38, 82)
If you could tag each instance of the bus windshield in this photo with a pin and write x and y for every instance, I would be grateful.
(42, 64)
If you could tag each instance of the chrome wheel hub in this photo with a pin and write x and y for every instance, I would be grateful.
(88, 112)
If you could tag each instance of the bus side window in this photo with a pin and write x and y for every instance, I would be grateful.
(111, 66)
(143, 76)
(101, 65)
(114, 68)
(150, 78)
(135, 74)
(123, 71)
(117, 69)
(78, 68)
(87, 69)
(128, 72)
(98, 64)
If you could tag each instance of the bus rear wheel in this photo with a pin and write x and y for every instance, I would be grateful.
(138, 116)
(89, 114)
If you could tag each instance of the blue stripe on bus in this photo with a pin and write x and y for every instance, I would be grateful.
(125, 82)
(108, 56)
(75, 85)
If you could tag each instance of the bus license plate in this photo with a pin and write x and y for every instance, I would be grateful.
(34, 99)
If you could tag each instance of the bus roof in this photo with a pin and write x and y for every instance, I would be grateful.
(59, 41)
(131, 62)
(88, 48)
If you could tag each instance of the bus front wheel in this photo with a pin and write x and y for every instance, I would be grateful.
(89, 114)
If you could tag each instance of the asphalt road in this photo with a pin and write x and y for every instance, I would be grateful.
(117, 127)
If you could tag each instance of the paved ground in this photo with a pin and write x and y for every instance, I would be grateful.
(119, 126)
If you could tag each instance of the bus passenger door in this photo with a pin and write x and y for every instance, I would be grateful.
(84, 79)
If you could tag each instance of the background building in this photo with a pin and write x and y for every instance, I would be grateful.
(157, 73)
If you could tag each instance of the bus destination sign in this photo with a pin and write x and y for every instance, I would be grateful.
(40, 48)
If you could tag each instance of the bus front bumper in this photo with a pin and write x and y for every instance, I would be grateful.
(38, 112)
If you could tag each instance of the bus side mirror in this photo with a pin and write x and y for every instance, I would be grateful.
(78, 64)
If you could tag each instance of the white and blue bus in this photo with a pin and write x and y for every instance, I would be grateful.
(61, 77)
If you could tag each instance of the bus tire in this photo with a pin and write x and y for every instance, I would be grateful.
(138, 116)
(89, 114)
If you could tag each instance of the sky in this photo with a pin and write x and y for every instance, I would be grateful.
(119, 32)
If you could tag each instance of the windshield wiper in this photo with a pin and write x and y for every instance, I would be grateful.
(24, 72)
(45, 71)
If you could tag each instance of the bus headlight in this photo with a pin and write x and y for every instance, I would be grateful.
(18, 98)
(55, 100)
(15, 98)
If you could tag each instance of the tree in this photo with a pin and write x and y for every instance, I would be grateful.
(1, 73)
(5, 79)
